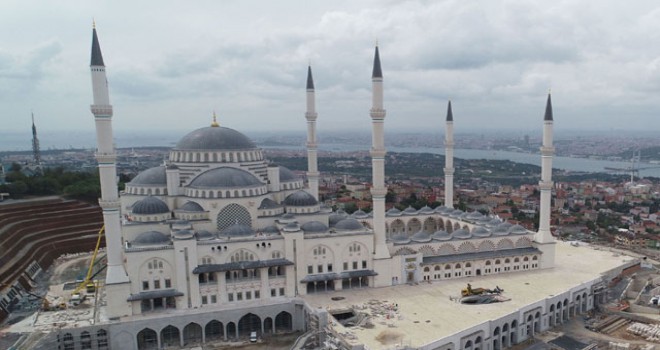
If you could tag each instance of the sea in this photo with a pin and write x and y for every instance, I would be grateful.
(12, 141)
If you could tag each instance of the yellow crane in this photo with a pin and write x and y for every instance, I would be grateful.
(88, 283)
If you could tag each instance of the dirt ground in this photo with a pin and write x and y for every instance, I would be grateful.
(279, 342)
(575, 329)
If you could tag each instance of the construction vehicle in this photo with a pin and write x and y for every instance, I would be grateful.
(469, 291)
(88, 283)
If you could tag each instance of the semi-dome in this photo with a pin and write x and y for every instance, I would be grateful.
(149, 206)
(237, 230)
(225, 177)
(151, 238)
(192, 207)
(287, 175)
(152, 177)
(300, 199)
(314, 227)
(291, 227)
(268, 203)
(214, 138)
(421, 237)
(270, 230)
(348, 224)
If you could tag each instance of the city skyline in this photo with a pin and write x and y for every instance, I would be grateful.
(170, 64)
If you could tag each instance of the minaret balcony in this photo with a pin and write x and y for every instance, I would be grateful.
(546, 185)
(311, 117)
(312, 145)
(109, 204)
(377, 153)
(101, 110)
(547, 151)
(105, 157)
(378, 192)
(449, 144)
(449, 171)
(377, 113)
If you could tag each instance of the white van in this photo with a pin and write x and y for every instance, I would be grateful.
(253, 337)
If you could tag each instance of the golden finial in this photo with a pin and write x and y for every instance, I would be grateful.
(376, 42)
(93, 23)
(549, 91)
(215, 121)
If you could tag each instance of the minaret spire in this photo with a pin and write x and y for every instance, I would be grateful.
(378, 190)
(312, 146)
(215, 123)
(36, 152)
(116, 277)
(449, 158)
(543, 238)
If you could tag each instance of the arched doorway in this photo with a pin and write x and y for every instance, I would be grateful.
(231, 330)
(147, 339)
(214, 330)
(192, 334)
(268, 325)
(283, 322)
(249, 323)
(169, 336)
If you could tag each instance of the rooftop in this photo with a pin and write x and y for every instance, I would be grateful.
(426, 313)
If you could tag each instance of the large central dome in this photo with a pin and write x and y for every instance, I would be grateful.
(215, 138)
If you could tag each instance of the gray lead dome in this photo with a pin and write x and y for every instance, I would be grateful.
(214, 138)
(300, 199)
(225, 177)
(150, 205)
(151, 238)
(151, 176)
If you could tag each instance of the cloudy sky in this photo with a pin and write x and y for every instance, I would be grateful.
(171, 64)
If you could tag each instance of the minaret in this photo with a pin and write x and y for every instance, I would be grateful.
(378, 190)
(544, 239)
(109, 201)
(449, 158)
(36, 152)
(310, 115)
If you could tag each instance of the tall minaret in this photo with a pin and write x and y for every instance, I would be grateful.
(544, 239)
(310, 115)
(449, 158)
(105, 155)
(36, 152)
(378, 190)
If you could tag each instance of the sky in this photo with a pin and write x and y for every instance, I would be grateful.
(170, 64)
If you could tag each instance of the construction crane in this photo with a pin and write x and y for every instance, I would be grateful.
(88, 283)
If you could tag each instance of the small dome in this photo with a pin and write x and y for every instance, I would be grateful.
(314, 227)
(151, 238)
(270, 230)
(349, 224)
(442, 209)
(481, 232)
(268, 203)
(360, 214)
(410, 211)
(461, 234)
(421, 237)
(426, 210)
(181, 225)
(475, 215)
(153, 176)
(192, 207)
(204, 235)
(291, 227)
(225, 177)
(214, 138)
(333, 219)
(183, 234)
(493, 223)
(502, 229)
(237, 230)
(400, 239)
(441, 235)
(455, 213)
(517, 230)
(149, 206)
(393, 212)
(287, 175)
(300, 199)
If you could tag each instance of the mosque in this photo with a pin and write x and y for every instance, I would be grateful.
(218, 242)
